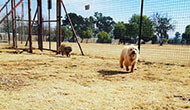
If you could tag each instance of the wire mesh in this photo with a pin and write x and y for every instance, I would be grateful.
(175, 48)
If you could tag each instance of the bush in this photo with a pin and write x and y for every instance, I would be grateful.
(104, 37)
(165, 40)
(170, 41)
(154, 39)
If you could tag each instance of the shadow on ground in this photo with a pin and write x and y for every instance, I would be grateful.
(112, 72)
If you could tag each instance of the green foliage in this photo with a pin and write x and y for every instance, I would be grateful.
(77, 20)
(165, 40)
(87, 34)
(131, 31)
(162, 24)
(119, 31)
(187, 29)
(176, 39)
(103, 23)
(35, 28)
(177, 34)
(147, 27)
(66, 33)
(154, 39)
(186, 35)
(170, 41)
(103, 37)
(80, 23)
(5, 26)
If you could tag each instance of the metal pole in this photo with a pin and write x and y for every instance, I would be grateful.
(140, 26)
(58, 23)
(30, 27)
(8, 25)
(49, 8)
(74, 32)
(49, 29)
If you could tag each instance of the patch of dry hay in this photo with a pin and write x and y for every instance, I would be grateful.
(95, 81)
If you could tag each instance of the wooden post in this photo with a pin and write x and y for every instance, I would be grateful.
(14, 24)
(32, 24)
(74, 32)
(58, 34)
(22, 16)
(8, 26)
(30, 27)
(40, 32)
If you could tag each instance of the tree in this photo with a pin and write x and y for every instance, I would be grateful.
(80, 23)
(88, 27)
(119, 31)
(86, 34)
(77, 21)
(176, 39)
(186, 35)
(103, 37)
(147, 27)
(35, 28)
(131, 32)
(66, 33)
(5, 26)
(103, 23)
(154, 39)
(162, 24)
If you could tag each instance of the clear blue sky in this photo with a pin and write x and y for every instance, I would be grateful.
(122, 10)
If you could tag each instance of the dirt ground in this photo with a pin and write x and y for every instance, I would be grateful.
(46, 81)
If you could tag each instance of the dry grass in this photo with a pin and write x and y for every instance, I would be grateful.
(44, 80)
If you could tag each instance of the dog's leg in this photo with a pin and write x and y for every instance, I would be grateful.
(127, 68)
(133, 67)
(67, 54)
(121, 61)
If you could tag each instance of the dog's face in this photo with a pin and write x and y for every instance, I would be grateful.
(68, 49)
(133, 52)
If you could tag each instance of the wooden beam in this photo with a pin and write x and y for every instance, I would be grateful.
(4, 5)
(11, 11)
(58, 34)
(30, 27)
(74, 32)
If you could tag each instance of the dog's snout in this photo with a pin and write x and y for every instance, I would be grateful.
(133, 52)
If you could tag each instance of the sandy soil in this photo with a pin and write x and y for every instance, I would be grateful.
(46, 81)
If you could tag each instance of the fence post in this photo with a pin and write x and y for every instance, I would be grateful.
(58, 34)
(140, 26)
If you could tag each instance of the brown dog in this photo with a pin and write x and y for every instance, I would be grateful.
(65, 50)
(129, 56)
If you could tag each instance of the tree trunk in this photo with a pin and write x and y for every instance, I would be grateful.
(161, 40)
